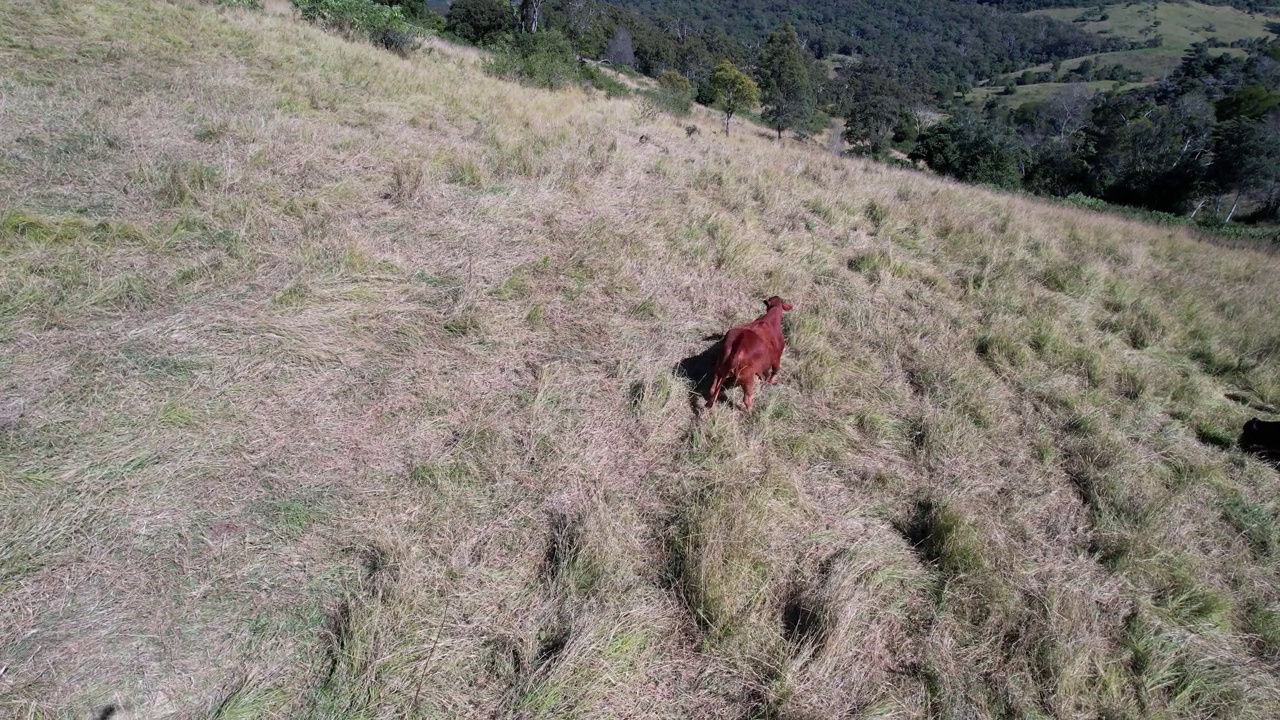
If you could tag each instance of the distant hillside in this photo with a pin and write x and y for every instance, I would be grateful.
(1025, 5)
(1170, 28)
(1158, 36)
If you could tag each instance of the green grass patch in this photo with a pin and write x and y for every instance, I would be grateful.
(1254, 522)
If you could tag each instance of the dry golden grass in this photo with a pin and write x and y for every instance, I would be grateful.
(341, 385)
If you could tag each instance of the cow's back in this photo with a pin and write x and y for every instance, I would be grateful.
(746, 351)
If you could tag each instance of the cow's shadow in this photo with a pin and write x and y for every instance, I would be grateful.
(1261, 453)
(699, 370)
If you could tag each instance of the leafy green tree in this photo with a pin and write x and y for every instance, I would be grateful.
(1250, 102)
(544, 59)
(1147, 154)
(655, 50)
(382, 24)
(874, 105)
(786, 84)
(675, 93)
(734, 91)
(530, 14)
(479, 21)
(972, 149)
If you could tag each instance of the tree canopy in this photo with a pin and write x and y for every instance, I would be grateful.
(786, 85)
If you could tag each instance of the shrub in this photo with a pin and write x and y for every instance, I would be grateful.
(674, 93)
(545, 59)
(601, 80)
(382, 24)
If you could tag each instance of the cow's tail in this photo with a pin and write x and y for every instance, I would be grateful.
(726, 355)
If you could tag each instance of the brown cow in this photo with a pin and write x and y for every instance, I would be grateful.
(750, 350)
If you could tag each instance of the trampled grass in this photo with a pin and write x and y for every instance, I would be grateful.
(338, 384)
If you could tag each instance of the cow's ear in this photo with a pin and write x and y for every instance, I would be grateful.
(786, 307)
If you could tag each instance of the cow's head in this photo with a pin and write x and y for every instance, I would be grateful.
(776, 301)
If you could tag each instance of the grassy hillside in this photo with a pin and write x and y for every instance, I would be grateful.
(1039, 92)
(340, 385)
(1153, 63)
(1179, 24)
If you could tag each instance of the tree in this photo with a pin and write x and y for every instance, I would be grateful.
(1148, 154)
(1246, 156)
(545, 59)
(675, 92)
(734, 91)
(1069, 110)
(479, 20)
(785, 82)
(620, 51)
(1250, 102)
(873, 103)
(583, 21)
(530, 13)
(972, 149)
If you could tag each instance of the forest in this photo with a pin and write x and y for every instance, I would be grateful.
(1207, 137)
(939, 41)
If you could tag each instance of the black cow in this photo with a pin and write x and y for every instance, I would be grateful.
(1261, 436)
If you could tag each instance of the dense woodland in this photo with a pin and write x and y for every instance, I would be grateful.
(943, 42)
(1203, 142)
(1208, 137)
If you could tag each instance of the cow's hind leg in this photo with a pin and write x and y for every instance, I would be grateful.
(748, 391)
(715, 391)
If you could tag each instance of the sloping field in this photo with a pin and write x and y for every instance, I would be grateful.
(1180, 23)
(339, 385)
(1153, 63)
(1040, 92)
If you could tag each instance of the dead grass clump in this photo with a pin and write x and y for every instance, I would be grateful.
(841, 626)
(406, 181)
(181, 183)
(1069, 277)
(999, 350)
(1262, 623)
(1131, 317)
(1095, 462)
(877, 265)
(1182, 598)
(1253, 521)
